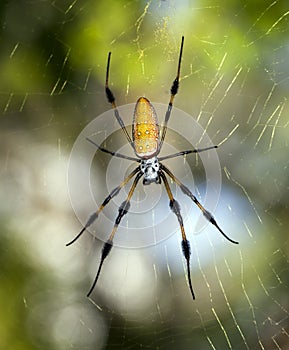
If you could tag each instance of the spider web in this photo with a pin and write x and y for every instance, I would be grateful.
(234, 83)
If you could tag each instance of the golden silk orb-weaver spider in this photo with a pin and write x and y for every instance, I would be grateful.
(147, 140)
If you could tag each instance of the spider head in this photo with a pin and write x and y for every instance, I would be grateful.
(150, 169)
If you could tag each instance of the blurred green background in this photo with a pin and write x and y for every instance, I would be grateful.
(235, 82)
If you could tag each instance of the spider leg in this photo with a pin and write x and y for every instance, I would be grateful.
(174, 91)
(123, 209)
(187, 192)
(183, 153)
(175, 207)
(111, 100)
(114, 154)
(112, 194)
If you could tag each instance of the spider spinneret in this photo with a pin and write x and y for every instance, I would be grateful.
(147, 143)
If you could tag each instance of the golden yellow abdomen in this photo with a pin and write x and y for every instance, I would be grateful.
(145, 131)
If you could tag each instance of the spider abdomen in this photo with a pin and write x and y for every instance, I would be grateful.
(145, 132)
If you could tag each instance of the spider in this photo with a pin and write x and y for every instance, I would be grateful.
(147, 141)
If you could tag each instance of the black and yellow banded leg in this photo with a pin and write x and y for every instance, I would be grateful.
(205, 212)
(112, 194)
(174, 91)
(175, 207)
(183, 153)
(123, 209)
(113, 154)
(111, 100)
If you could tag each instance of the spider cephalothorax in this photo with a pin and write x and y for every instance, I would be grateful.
(147, 143)
(150, 169)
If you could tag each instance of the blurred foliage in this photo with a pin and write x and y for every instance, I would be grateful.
(16, 272)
